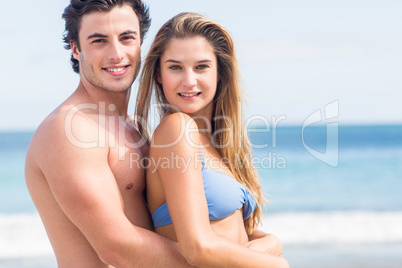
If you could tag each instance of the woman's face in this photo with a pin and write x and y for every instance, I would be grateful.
(189, 75)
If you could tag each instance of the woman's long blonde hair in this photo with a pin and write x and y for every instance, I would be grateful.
(230, 135)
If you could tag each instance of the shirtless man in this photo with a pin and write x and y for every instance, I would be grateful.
(82, 168)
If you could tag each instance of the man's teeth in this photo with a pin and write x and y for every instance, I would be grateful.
(188, 95)
(114, 70)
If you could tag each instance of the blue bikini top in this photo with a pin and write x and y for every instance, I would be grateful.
(224, 196)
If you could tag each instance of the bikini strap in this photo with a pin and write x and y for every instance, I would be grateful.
(202, 159)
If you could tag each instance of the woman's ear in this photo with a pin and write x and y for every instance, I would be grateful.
(158, 76)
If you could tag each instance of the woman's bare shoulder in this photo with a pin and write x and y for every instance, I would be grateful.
(175, 128)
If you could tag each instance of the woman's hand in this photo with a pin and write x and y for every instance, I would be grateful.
(266, 243)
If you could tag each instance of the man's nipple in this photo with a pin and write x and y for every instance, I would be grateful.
(128, 187)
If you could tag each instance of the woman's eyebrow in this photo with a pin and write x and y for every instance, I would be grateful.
(173, 61)
(176, 61)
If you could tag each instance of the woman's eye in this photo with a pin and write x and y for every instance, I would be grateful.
(202, 67)
(174, 67)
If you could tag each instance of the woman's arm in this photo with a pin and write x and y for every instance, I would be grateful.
(264, 242)
(177, 139)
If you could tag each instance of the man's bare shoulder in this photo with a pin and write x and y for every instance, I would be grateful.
(68, 125)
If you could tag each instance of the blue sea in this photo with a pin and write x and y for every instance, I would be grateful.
(335, 196)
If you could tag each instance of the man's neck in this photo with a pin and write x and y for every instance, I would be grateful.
(111, 103)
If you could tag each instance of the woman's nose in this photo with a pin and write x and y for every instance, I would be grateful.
(189, 79)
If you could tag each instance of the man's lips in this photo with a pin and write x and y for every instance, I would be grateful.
(116, 70)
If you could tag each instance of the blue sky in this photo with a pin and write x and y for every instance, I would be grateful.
(295, 56)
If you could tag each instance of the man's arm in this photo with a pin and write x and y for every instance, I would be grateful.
(82, 183)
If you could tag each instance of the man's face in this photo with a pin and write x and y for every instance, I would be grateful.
(110, 49)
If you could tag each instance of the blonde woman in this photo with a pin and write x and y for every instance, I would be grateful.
(202, 189)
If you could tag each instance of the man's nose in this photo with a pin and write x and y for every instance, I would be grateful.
(115, 52)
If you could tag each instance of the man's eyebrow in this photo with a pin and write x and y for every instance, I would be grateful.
(97, 35)
(129, 32)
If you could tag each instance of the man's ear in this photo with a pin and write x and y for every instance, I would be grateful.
(75, 50)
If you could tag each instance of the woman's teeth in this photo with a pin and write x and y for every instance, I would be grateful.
(189, 95)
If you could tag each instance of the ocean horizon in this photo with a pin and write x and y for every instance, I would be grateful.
(328, 197)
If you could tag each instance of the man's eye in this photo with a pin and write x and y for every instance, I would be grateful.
(128, 38)
(98, 41)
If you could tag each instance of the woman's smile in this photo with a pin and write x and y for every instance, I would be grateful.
(189, 75)
(189, 95)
